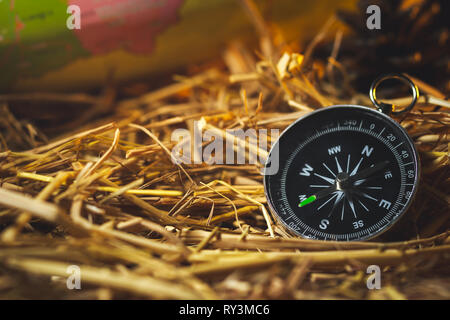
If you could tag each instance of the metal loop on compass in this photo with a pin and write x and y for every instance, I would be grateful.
(390, 108)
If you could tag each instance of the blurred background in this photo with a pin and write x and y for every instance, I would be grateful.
(87, 115)
(126, 40)
(125, 48)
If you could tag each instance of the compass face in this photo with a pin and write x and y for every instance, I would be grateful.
(345, 173)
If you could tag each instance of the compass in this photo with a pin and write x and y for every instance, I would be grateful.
(345, 172)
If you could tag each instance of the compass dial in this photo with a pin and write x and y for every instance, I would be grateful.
(345, 173)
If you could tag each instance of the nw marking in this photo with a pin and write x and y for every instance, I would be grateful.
(334, 150)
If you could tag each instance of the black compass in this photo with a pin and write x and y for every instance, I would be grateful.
(344, 173)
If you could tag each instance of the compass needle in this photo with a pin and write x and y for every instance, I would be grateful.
(369, 171)
(307, 201)
(335, 195)
(323, 193)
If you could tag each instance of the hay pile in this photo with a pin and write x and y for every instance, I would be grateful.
(109, 199)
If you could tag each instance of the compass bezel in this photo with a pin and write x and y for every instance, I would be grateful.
(374, 113)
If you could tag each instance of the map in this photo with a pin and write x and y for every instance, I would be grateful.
(130, 39)
(34, 37)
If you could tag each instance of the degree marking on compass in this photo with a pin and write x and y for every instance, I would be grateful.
(398, 145)
(338, 165)
(381, 131)
(408, 164)
(334, 175)
(329, 180)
